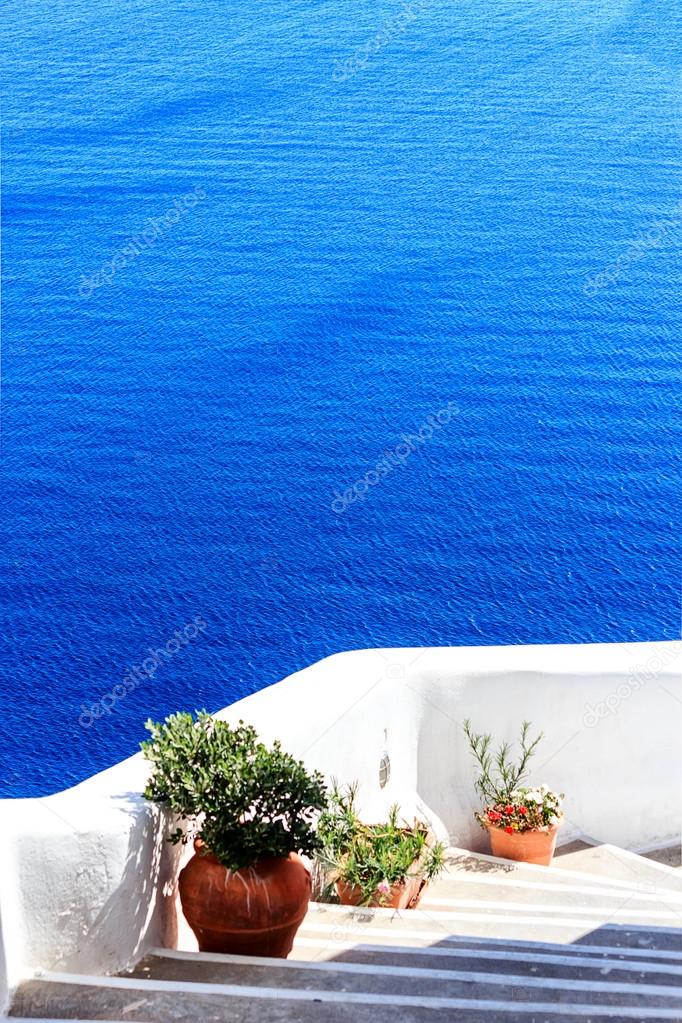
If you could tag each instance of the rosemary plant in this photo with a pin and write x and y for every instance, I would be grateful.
(500, 774)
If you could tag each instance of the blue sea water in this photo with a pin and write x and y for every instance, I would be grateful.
(395, 209)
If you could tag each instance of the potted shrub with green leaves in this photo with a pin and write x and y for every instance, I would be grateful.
(250, 810)
(375, 864)
(521, 822)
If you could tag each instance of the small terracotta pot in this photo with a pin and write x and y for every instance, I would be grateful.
(253, 911)
(526, 846)
(401, 896)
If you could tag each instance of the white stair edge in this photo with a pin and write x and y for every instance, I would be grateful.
(493, 956)
(445, 935)
(589, 918)
(532, 955)
(641, 857)
(363, 914)
(524, 868)
(638, 856)
(616, 911)
(608, 891)
(463, 976)
(359, 998)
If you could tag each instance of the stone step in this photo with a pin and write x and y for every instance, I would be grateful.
(68, 996)
(580, 867)
(567, 886)
(320, 948)
(430, 970)
(479, 919)
(611, 863)
(550, 909)
(641, 939)
(392, 981)
(458, 890)
(486, 865)
(560, 961)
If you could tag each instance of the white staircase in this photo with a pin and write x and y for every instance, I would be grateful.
(597, 936)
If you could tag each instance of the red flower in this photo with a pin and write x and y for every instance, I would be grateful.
(509, 829)
(509, 809)
(493, 815)
(523, 810)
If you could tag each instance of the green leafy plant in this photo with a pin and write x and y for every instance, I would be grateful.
(373, 857)
(246, 801)
(509, 804)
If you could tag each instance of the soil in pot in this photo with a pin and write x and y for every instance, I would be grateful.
(253, 911)
(525, 846)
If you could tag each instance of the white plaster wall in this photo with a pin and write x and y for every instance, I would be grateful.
(339, 715)
(88, 882)
(621, 772)
(83, 880)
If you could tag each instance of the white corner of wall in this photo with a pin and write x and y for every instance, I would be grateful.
(85, 882)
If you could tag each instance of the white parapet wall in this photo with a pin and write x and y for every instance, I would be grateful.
(89, 882)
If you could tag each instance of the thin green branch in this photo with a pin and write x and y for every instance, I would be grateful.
(499, 775)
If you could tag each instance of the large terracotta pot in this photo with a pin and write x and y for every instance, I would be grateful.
(401, 896)
(527, 846)
(253, 911)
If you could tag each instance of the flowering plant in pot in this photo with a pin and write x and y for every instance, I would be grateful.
(250, 810)
(384, 864)
(521, 822)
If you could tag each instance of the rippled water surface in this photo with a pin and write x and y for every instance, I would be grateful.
(247, 248)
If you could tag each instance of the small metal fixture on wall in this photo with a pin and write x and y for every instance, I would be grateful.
(384, 764)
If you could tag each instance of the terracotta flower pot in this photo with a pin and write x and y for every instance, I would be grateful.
(253, 911)
(527, 846)
(400, 896)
